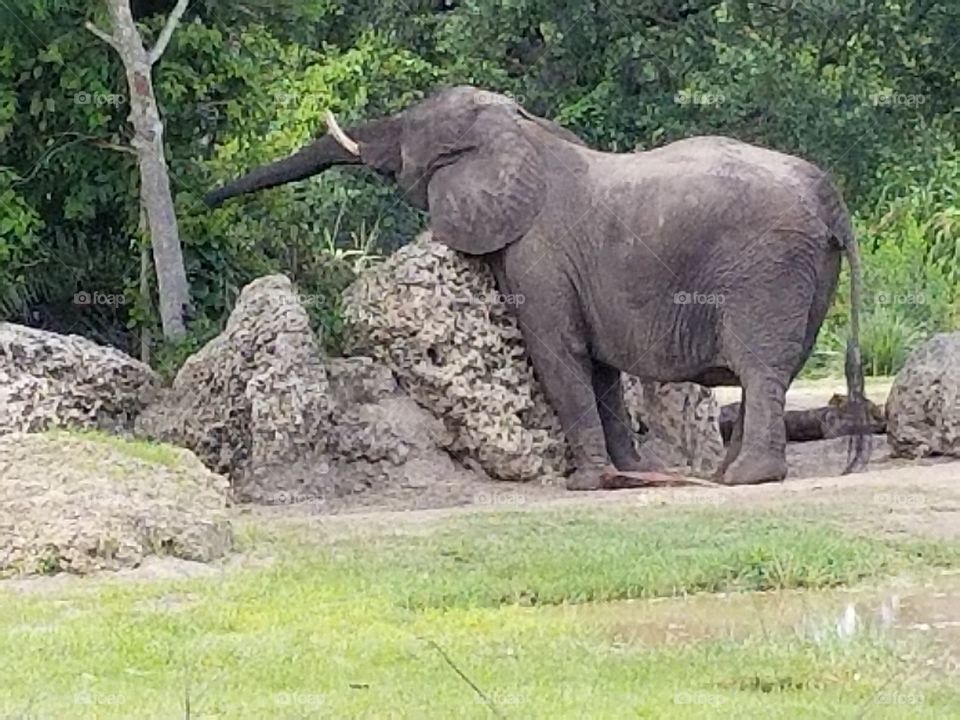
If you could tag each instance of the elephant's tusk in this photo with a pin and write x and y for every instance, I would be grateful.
(340, 136)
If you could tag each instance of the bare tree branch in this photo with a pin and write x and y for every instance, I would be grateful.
(115, 147)
(105, 36)
(167, 31)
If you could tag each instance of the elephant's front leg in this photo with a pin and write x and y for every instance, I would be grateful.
(567, 382)
(563, 366)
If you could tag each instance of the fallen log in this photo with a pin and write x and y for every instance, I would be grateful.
(822, 423)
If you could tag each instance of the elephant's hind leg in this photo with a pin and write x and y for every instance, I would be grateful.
(608, 387)
(764, 368)
(761, 456)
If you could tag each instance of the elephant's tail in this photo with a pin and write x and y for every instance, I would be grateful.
(858, 452)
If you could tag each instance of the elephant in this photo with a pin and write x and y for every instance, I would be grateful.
(707, 260)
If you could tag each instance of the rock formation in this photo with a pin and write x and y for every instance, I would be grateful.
(435, 318)
(82, 502)
(923, 409)
(49, 381)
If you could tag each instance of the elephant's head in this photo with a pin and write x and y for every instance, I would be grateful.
(472, 158)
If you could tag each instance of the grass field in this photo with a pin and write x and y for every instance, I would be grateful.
(475, 619)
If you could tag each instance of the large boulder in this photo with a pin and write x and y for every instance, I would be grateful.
(435, 318)
(85, 502)
(677, 423)
(923, 409)
(260, 404)
(253, 400)
(49, 380)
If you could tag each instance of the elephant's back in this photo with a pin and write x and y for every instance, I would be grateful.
(727, 158)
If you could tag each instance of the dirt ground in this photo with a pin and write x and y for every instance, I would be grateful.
(819, 462)
(915, 499)
(920, 499)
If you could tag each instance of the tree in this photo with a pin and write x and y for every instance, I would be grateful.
(157, 200)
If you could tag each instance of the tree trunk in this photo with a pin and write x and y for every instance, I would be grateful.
(145, 338)
(173, 290)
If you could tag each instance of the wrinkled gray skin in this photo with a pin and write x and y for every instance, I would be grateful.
(606, 248)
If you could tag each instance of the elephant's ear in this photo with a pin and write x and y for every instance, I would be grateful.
(489, 190)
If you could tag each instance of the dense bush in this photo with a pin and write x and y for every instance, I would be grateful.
(868, 90)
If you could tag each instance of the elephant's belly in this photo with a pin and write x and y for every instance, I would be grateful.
(646, 345)
(716, 376)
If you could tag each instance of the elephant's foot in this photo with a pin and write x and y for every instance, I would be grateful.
(589, 477)
(752, 469)
(632, 462)
(610, 478)
(731, 455)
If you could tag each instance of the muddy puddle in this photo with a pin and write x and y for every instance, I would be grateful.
(925, 610)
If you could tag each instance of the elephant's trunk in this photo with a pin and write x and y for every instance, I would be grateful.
(314, 158)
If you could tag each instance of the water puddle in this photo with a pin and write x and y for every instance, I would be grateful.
(927, 610)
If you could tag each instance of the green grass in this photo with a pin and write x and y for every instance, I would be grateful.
(152, 452)
(358, 627)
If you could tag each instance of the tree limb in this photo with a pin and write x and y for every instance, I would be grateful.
(483, 696)
(106, 145)
(105, 36)
(167, 31)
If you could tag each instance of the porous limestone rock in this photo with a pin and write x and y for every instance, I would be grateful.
(435, 318)
(49, 380)
(260, 404)
(252, 401)
(84, 502)
(923, 409)
(678, 423)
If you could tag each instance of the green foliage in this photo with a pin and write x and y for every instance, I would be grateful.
(886, 341)
(19, 245)
(910, 242)
(867, 90)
